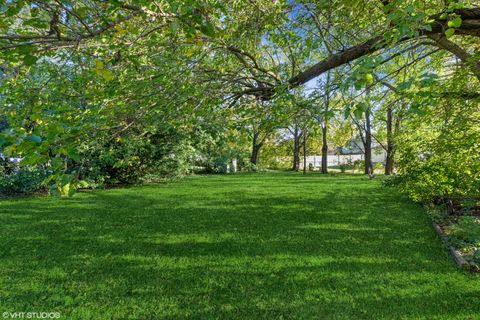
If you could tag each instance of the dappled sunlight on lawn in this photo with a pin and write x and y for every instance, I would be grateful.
(267, 246)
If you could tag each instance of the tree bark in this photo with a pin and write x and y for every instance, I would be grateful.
(255, 148)
(296, 148)
(324, 149)
(336, 60)
(304, 151)
(325, 126)
(389, 164)
(368, 144)
(254, 157)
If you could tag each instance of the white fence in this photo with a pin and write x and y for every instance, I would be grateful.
(335, 160)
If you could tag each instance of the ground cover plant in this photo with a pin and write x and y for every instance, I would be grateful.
(248, 246)
(460, 225)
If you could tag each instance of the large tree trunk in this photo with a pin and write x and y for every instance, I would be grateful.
(368, 144)
(324, 149)
(389, 164)
(254, 157)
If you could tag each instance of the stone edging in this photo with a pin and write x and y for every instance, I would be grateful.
(459, 260)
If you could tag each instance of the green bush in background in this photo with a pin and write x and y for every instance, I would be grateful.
(24, 180)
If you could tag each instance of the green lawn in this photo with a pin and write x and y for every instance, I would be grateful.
(265, 246)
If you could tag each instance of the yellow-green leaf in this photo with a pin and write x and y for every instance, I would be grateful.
(107, 74)
(449, 32)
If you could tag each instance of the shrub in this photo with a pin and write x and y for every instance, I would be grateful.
(439, 154)
(392, 181)
(24, 180)
(250, 167)
(275, 163)
(358, 164)
(162, 155)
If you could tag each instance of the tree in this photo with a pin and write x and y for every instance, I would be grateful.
(74, 71)
(323, 114)
(362, 121)
(297, 131)
(299, 111)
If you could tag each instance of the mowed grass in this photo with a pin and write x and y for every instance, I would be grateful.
(247, 246)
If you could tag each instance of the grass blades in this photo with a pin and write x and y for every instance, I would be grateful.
(247, 246)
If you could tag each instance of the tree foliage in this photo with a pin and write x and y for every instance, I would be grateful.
(111, 91)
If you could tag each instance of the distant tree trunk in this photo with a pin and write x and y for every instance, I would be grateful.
(324, 149)
(256, 145)
(368, 144)
(325, 126)
(305, 151)
(389, 164)
(296, 148)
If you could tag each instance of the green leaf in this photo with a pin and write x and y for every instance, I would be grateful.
(360, 109)
(404, 28)
(64, 190)
(71, 192)
(29, 60)
(82, 184)
(34, 138)
(57, 163)
(207, 29)
(347, 111)
(404, 85)
(449, 32)
(68, 300)
(369, 78)
(54, 191)
(107, 74)
(415, 108)
(73, 154)
(14, 9)
(99, 65)
(359, 84)
(428, 27)
(455, 23)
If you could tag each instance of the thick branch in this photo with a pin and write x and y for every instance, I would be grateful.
(470, 26)
(337, 60)
(460, 53)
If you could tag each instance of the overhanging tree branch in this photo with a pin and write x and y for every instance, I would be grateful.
(470, 26)
(459, 52)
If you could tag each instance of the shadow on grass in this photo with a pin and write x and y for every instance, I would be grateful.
(244, 247)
